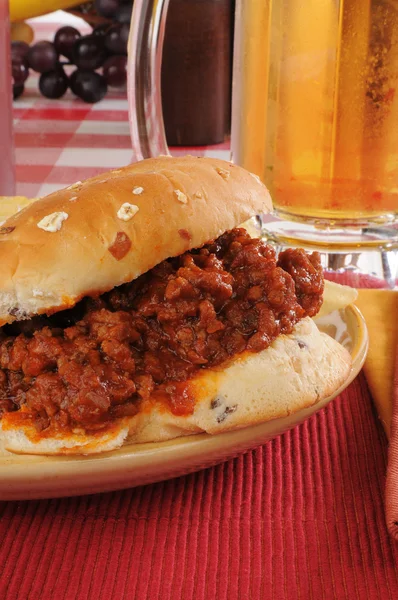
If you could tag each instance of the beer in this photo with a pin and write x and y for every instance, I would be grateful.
(315, 109)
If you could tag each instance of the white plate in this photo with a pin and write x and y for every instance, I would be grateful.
(26, 477)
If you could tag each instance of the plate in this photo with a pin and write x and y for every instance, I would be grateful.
(28, 477)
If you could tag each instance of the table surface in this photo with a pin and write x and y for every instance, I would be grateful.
(301, 517)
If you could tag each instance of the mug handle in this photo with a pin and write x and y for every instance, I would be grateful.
(145, 49)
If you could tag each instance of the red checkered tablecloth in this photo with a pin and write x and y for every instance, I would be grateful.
(62, 141)
(59, 142)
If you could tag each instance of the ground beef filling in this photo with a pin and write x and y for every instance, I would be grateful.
(90, 365)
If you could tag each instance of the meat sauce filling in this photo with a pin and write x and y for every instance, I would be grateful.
(87, 366)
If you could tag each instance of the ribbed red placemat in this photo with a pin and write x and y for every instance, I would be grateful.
(301, 517)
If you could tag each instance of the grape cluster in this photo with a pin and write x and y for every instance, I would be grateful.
(104, 50)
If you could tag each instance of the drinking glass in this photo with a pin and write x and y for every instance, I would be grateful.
(316, 113)
(7, 174)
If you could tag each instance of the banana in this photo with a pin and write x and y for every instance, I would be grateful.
(20, 10)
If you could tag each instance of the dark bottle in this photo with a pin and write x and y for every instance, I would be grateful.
(197, 71)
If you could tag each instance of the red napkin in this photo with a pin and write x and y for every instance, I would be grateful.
(392, 470)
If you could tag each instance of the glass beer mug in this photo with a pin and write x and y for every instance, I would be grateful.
(314, 112)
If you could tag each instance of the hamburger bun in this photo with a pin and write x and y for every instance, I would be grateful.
(182, 203)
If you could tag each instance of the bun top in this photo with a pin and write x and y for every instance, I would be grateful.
(108, 230)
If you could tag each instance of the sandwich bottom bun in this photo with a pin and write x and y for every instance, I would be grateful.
(296, 371)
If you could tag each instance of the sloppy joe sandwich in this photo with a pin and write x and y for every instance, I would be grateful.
(133, 307)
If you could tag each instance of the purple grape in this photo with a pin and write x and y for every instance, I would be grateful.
(19, 49)
(74, 80)
(116, 39)
(88, 85)
(20, 70)
(65, 39)
(43, 57)
(101, 30)
(123, 13)
(89, 52)
(115, 70)
(106, 8)
(54, 83)
(17, 90)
